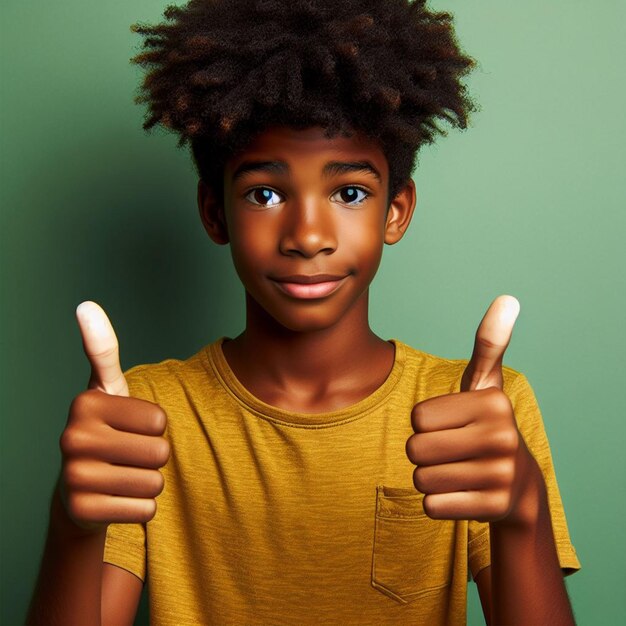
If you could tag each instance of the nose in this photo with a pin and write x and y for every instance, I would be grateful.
(308, 229)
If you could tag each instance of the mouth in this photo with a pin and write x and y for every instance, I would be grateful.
(309, 287)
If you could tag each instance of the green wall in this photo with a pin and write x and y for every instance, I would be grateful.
(529, 201)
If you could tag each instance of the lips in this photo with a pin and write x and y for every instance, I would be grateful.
(309, 287)
(303, 279)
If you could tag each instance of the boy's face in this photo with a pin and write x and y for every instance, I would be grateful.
(306, 218)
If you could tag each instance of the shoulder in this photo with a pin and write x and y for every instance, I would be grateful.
(444, 374)
(148, 379)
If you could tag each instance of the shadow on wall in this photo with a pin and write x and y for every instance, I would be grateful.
(111, 222)
(140, 247)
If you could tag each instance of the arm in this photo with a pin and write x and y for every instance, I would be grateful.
(74, 586)
(473, 463)
(524, 584)
(483, 582)
(121, 592)
(112, 448)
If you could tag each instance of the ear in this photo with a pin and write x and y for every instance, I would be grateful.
(400, 213)
(212, 214)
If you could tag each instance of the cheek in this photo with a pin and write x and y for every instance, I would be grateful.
(248, 257)
(251, 242)
(363, 241)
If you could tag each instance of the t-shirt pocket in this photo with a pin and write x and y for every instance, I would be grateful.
(412, 554)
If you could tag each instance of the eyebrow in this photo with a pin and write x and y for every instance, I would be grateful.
(331, 168)
(245, 167)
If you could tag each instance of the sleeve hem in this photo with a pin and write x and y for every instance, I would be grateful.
(568, 560)
(480, 555)
(128, 568)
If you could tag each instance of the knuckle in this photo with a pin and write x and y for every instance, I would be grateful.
(430, 507)
(501, 504)
(147, 510)
(79, 406)
(159, 452)
(504, 441)
(417, 482)
(157, 483)
(65, 441)
(73, 475)
(506, 471)
(111, 351)
(509, 440)
(418, 479)
(408, 449)
(158, 419)
(164, 451)
(500, 401)
(412, 449)
(78, 506)
(483, 341)
(84, 404)
(72, 441)
(417, 417)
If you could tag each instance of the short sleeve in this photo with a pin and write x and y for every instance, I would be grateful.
(125, 544)
(530, 424)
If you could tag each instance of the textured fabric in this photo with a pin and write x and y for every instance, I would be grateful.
(274, 517)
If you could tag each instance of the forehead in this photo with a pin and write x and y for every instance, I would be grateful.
(309, 148)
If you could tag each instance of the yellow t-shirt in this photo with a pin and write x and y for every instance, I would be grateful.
(274, 517)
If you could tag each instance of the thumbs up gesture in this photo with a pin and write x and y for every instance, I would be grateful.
(472, 462)
(112, 445)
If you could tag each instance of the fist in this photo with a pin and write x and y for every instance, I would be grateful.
(472, 462)
(112, 446)
(466, 447)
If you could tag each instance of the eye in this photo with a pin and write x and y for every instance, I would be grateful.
(263, 196)
(351, 195)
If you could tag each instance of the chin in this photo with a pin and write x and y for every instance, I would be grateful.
(305, 322)
(304, 316)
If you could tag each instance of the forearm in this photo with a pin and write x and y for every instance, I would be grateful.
(526, 578)
(69, 586)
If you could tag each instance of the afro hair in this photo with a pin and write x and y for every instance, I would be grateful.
(219, 72)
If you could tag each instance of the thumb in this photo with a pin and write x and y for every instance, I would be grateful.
(102, 349)
(492, 339)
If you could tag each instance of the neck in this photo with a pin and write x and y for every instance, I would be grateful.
(269, 356)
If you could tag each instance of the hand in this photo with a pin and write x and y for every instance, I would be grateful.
(112, 445)
(472, 462)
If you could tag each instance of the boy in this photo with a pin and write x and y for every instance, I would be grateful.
(306, 471)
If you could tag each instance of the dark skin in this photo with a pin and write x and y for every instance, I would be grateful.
(311, 354)
(316, 355)
(320, 208)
